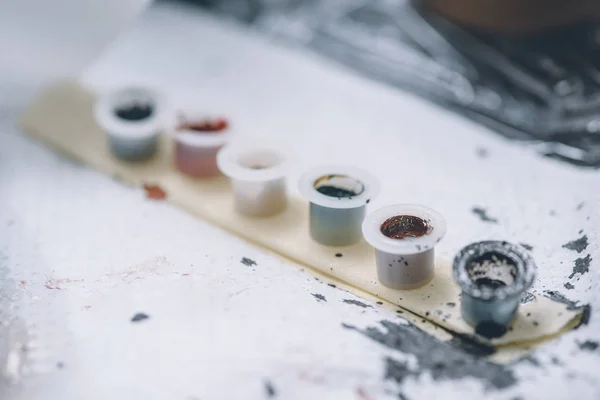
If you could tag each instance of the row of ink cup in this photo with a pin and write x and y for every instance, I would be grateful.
(492, 274)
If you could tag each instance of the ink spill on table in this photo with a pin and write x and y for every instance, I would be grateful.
(527, 297)
(248, 262)
(526, 246)
(357, 303)
(589, 345)
(586, 309)
(483, 215)
(582, 266)
(577, 245)
(154, 192)
(139, 317)
(568, 286)
(319, 297)
(490, 329)
(441, 360)
(270, 389)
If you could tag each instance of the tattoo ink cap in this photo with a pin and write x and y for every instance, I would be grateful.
(133, 119)
(404, 237)
(258, 179)
(197, 143)
(338, 196)
(492, 276)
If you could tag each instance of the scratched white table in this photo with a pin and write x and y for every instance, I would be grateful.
(80, 254)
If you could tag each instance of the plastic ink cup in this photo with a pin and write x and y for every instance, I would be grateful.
(133, 119)
(258, 179)
(196, 149)
(492, 276)
(404, 237)
(338, 197)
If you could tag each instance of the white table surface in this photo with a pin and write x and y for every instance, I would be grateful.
(80, 254)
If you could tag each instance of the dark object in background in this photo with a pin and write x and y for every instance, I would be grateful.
(542, 89)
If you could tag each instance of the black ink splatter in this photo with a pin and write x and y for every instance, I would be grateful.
(531, 360)
(561, 298)
(319, 297)
(248, 262)
(482, 152)
(483, 215)
(270, 389)
(357, 303)
(527, 297)
(139, 317)
(526, 246)
(338, 255)
(589, 345)
(582, 266)
(568, 286)
(577, 245)
(332, 285)
(380, 303)
(490, 329)
(440, 359)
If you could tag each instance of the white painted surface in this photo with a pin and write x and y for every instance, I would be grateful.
(220, 331)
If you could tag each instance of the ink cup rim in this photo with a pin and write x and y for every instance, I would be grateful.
(228, 161)
(369, 183)
(371, 229)
(526, 269)
(104, 113)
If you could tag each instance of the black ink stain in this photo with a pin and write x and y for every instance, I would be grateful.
(490, 329)
(139, 317)
(319, 297)
(332, 285)
(482, 152)
(270, 389)
(380, 303)
(568, 286)
(586, 309)
(577, 245)
(526, 246)
(442, 360)
(582, 266)
(483, 215)
(248, 262)
(338, 255)
(357, 303)
(527, 297)
(589, 345)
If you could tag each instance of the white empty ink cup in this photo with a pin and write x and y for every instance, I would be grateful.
(258, 179)
(133, 119)
(196, 148)
(404, 237)
(338, 196)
